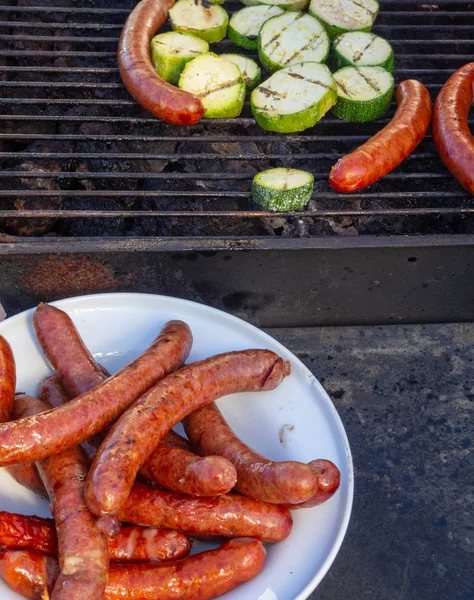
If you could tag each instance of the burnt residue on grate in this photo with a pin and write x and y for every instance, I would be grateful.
(74, 145)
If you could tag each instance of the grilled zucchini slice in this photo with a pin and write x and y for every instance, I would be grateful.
(339, 16)
(362, 49)
(200, 18)
(364, 93)
(295, 98)
(282, 189)
(172, 50)
(245, 24)
(217, 83)
(249, 69)
(292, 38)
(292, 5)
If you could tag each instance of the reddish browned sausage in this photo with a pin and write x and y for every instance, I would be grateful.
(329, 478)
(391, 146)
(172, 465)
(27, 475)
(451, 133)
(133, 544)
(200, 577)
(230, 515)
(258, 477)
(139, 430)
(33, 438)
(136, 70)
(7, 379)
(82, 548)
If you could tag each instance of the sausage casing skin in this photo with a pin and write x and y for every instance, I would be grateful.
(230, 515)
(451, 133)
(390, 146)
(33, 438)
(162, 99)
(7, 380)
(260, 478)
(329, 479)
(200, 577)
(139, 430)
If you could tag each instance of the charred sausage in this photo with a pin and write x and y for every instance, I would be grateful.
(7, 380)
(451, 133)
(201, 577)
(230, 515)
(260, 478)
(82, 548)
(133, 544)
(162, 99)
(33, 438)
(390, 146)
(138, 431)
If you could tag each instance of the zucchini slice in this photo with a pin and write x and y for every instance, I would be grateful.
(282, 189)
(245, 24)
(249, 69)
(172, 50)
(362, 49)
(339, 16)
(295, 98)
(292, 38)
(251, 2)
(217, 83)
(364, 93)
(292, 5)
(200, 18)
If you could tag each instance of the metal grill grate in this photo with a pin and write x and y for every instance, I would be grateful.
(81, 156)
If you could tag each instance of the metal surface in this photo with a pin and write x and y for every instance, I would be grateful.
(69, 132)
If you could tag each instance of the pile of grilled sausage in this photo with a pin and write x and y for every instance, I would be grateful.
(126, 492)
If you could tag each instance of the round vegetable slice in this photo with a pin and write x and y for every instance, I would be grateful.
(249, 69)
(172, 50)
(282, 189)
(292, 38)
(362, 49)
(295, 98)
(292, 5)
(339, 16)
(364, 93)
(217, 83)
(251, 2)
(245, 24)
(200, 18)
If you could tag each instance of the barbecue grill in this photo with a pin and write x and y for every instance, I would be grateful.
(110, 198)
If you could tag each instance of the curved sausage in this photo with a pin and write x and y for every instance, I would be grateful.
(451, 133)
(133, 543)
(329, 479)
(390, 146)
(162, 99)
(172, 465)
(260, 478)
(27, 475)
(82, 547)
(200, 577)
(7, 379)
(33, 438)
(139, 430)
(230, 515)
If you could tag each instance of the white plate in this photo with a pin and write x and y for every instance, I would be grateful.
(117, 327)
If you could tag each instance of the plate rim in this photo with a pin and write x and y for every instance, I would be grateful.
(348, 505)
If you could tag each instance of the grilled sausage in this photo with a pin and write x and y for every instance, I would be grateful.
(138, 431)
(451, 133)
(230, 515)
(33, 438)
(329, 478)
(172, 465)
(201, 577)
(82, 548)
(390, 146)
(133, 544)
(260, 478)
(162, 99)
(7, 379)
(27, 475)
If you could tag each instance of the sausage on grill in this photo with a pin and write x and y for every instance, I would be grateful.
(7, 380)
(138, 431)
(451, 133)
(390, 146)
(162, 99)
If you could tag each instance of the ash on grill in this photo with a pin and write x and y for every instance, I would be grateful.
(72, 139)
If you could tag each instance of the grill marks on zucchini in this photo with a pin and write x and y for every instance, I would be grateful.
(282, 189)
(200, 18)
(339, 16)
(359, 48)
(245, 24)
